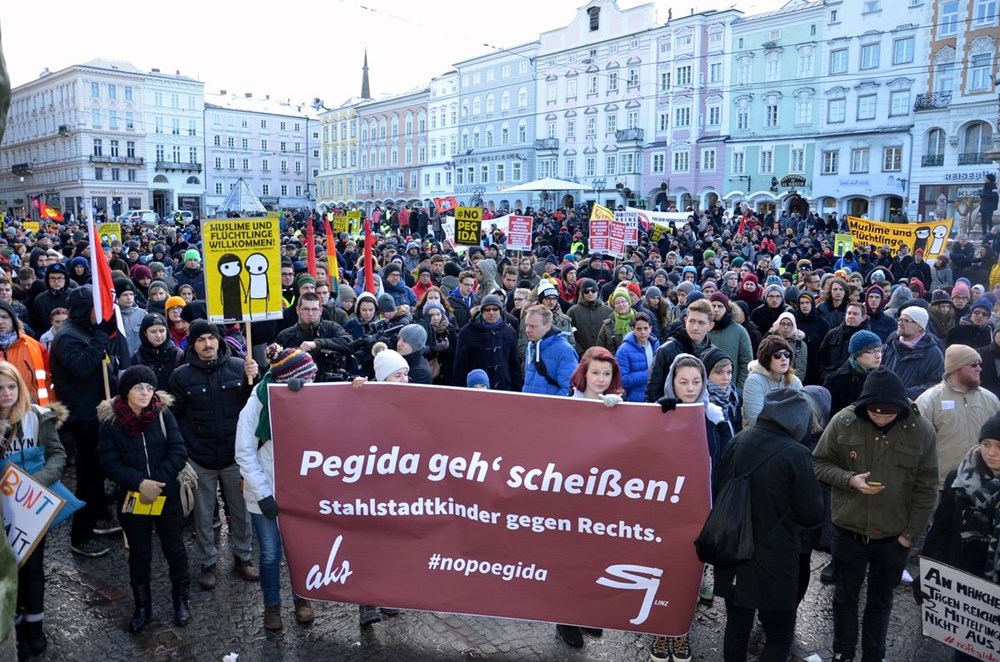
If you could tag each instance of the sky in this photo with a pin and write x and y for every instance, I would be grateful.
(276, 49)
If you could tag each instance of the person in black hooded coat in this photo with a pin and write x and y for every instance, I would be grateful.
(815, 325)
(157, 349)
(785, 500)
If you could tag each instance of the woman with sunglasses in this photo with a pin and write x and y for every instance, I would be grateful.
(772, 370)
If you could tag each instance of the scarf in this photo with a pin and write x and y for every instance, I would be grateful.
(442, 325)
(263, 431)
(7, 339)
(622, 323)
(132, 423)
(911, 343)
(857, 368)
(727, 399)
(978, 495)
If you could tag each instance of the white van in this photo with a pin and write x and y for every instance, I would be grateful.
(143, 217)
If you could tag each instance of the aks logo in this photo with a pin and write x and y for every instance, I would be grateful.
(631, 577)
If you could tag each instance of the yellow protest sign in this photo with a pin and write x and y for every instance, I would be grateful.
(467, 225)
(468, 214)
(276, 215)
(354, 222)
(339, 224)
(32, 226)
(842, 242)
(242, 269)
(109, 232)
(657, 230)
(601, 213)
(930, 237)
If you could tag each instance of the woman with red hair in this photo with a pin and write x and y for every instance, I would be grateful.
(597, 377)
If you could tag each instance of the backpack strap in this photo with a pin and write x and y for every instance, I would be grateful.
(163, 426)
(759, 464)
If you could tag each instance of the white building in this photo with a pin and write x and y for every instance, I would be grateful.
(873, 58)
(175, 108)
(268, 143)
(594, 104)
(437, 176)
(76, 139)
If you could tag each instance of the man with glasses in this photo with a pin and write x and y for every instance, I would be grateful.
(957, 407)
(320, 338)
(878, 456)
(913, 354)
(488, 343)
(587, 314)
(288, 292)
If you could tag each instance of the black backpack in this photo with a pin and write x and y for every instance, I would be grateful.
(727, 536)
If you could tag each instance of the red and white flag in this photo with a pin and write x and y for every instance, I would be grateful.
(104, 286)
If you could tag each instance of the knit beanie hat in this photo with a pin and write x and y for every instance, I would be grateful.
(137, 374)
(917, 314)
(940, 296)
(707, 254)
(391, 268)
(415, 336)
(862, 341)
(982, 302)
(585, 283)
(991, 428)
(957, 357)
(774, 287)
(653, 291)
(738, 262)
(192, 254)
(961, 289)
(387, 362)
(721, 297)
(386, 304)
(290, 363)
(200, 327)
(152, 319)
(687, 287)
(304, 279)
(156, 266)
(477, 377)
(633, 288)
(491, 300)
(139, 271)
(434, 305)
(174, 302)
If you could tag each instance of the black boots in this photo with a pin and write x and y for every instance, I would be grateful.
(31, 639)
(143, 608)
(182, 596)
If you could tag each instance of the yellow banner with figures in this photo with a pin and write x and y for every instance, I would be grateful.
(33, 226)
(353, 222)
(242, 269)
(930, 237)
(601, 213)
(109, 232)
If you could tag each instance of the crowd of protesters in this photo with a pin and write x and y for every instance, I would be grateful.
(871, 379)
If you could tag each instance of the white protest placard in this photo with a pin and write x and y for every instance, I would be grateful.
(960, 610)
(28, 510)
(631, 221)
(519, 233)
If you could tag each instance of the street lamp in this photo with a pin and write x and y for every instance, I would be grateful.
(599, 185)
(477, 194)
(742, 178)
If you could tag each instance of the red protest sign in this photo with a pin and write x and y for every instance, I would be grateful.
(519, 233)
(616, 238)
(599, 241)
(567, 512)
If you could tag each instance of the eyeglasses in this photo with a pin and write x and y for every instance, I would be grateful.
(782, 354)
(491, 309)
(144, 388)
(874, 350)
(977, 364)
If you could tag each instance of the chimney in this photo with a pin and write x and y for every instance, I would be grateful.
(178, 72)
(267, 97)
(156, 71)
(222, 92)
(248, 95)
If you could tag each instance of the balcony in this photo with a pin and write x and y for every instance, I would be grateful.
(21, 169)
(932, 101)
(932, 160)
(546, 143)
(973, 158)
(116, 160)
(178, 165)
(629, 135)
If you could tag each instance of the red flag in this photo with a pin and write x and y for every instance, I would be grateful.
(369, 263)
(310, 248)
(445, 204)
(104, 285)
(46, 212)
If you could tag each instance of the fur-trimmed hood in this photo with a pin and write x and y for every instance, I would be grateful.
(106, 411)
(55, 411)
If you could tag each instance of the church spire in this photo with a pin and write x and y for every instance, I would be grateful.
(365, 91)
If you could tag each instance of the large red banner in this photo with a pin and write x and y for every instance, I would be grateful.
(496, 504)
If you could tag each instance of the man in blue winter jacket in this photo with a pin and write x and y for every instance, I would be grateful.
(550, 360)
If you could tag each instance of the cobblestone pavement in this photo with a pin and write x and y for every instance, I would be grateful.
(88, 604)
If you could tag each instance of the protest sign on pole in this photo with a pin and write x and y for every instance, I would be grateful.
(842, 242)
(353, 222)
(242, 274)
(616, 238)
(28, 510)
(931, 237)
(519, 233)
(109, 232)
(32, 226)
(340, 224)
(960, 610)
(631, 221)
(468, 223)
(405, 512)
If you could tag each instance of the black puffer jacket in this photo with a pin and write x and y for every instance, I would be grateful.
(208, 398)
(163, 359)
(123, 457)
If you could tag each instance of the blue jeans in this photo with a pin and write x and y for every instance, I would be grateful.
(269, 543)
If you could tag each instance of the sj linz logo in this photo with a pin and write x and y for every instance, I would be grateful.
(635, 578)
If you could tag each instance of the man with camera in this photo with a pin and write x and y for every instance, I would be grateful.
(321, 339)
